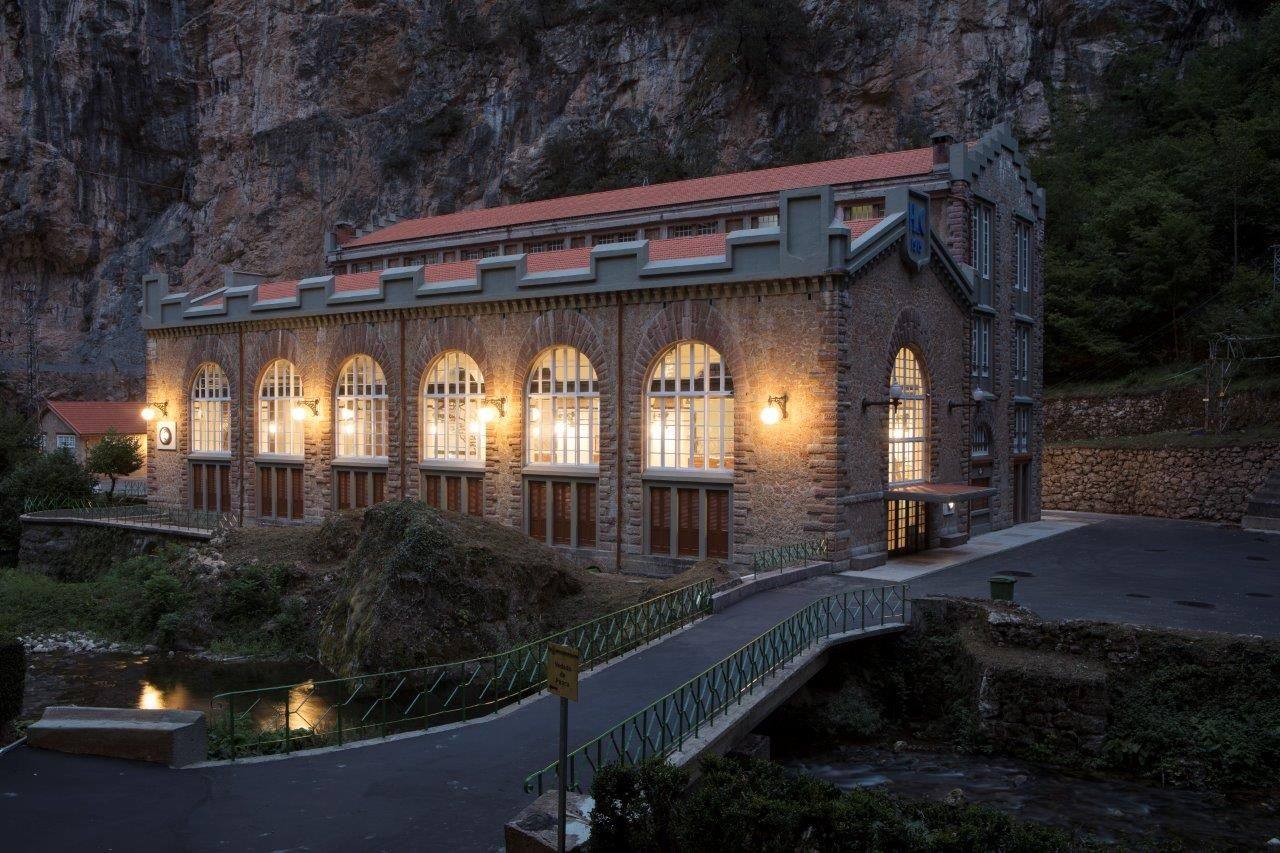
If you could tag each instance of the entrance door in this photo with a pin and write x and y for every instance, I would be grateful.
(906, 527)
(1021, 492)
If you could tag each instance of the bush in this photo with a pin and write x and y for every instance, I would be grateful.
(42, 477)
(635, 807)
(336, 538)
(13, 674)
(747, 804)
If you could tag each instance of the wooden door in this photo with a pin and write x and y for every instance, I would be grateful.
(586, 515)
(688, 515)
(475, 496)
(453, 493)
(538, 510)
(431, 489)
(660, 520)
(718, 524)
(562, 513)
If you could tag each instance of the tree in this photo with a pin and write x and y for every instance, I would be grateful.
(115, 456)
(44, 477)
(18, 440)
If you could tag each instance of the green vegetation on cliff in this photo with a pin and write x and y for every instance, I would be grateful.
(1162, 201)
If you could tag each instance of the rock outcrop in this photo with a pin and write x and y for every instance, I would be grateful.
(186, 137)
(425, 586)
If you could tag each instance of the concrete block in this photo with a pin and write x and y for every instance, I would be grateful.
(862, 562)
(175, 738)
(534, 829)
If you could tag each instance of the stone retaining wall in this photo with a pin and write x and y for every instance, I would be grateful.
(1109, 415)
(1210, 483)
(77, 550)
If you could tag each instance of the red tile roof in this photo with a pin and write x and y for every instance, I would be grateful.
(96, 417)
(897, 164)
(858, 227)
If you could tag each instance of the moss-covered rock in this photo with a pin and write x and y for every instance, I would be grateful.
(428, 586)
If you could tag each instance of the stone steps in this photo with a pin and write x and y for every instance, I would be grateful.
(1263, 511)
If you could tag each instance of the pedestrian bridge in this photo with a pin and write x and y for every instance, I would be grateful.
(716, 708)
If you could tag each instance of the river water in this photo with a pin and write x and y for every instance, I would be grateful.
(1106, 808)
(152, 681)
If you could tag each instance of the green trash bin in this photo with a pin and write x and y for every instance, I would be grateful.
(1002, 587)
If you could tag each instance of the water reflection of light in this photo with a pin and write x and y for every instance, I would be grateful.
(304, 709)
(150, 698)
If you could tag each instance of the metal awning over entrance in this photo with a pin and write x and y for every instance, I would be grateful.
(938, 493)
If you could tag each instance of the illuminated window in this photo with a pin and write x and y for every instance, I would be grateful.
(907, 422)
(690, 410)
(281, 390)
(361, 409)
(452, 393)
(863, 210)
(210, 411)
(563, 410)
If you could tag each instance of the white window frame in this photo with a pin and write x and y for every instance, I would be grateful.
(66, 441)
(613, 237)
(980, 238)
(980, 450)
(562, 410)
(211, 411)
(693, 229)
(689, 411)
(1022, 255)
(450, 428)
(279, 391)
(360, 411)
(476, 253)
(980, 344)
(908, 438)
(1021, 429)
(537, 247)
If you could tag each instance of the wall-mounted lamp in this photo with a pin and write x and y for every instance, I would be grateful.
(895, 399)
(304, 409)
(774, 411)
(980, 396)
(492, 408)
(152, 410)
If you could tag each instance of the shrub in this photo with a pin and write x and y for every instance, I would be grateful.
(747, 804)
(44, 477)
(635, 807)
(336, 538)
(115, 456)
(13, 674)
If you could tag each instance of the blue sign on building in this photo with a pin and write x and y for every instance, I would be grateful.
(916, 248)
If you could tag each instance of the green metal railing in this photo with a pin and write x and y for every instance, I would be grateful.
(125, 512)
(336, 711)
(784, 556)
(664, 726)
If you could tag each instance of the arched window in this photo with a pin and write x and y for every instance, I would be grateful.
(279, 431)
(690, 408)
(452, 393)
(563, 407)
(361, 409)
(210, 411)
(907, 422)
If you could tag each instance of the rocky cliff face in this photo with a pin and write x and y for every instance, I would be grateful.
(190, 135)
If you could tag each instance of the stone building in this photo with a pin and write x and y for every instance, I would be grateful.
(847, 350)
(78, 425)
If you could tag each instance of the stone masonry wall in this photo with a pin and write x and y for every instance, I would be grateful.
(1211, 483)
(1108, 415)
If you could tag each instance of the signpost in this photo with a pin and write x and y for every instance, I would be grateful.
(563, 665)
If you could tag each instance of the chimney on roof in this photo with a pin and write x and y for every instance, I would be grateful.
(941, 148)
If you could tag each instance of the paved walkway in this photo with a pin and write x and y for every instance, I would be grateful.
(444, 790)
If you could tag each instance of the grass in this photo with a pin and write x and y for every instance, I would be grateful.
(34, 604)
(1160, 440)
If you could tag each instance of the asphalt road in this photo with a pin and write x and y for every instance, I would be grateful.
(1148, 571)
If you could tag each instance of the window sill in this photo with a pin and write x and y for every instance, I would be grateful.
(361, 462)
(680, 475)
(210, 455)
(277, 459)
(453, 465)
(552, 470)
